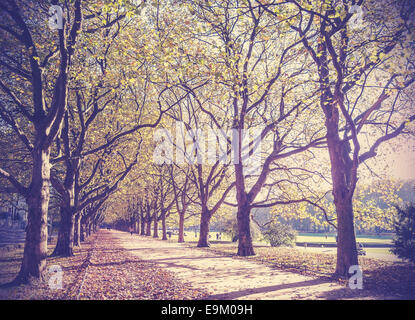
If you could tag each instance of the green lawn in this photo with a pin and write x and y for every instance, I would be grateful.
(301, 237)
(190, 237)
(321, 238)
(379, 250)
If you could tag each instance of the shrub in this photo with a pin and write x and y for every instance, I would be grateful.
(230, 227)
(280, 235)
(404, 240)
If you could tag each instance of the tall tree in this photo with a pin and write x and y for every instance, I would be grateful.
(262, 86)
(184, 195)
(105, 96)
(360, 90)
(27, 49)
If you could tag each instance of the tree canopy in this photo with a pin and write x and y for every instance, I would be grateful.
(184, 113)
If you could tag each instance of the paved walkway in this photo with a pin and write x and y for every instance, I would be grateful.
(228, 278)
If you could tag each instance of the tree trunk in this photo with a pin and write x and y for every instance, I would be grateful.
(64, 246)
(346, 239)
(155, 226)
(148, 227)
(87, 229)
(77, 231)
(245, 247)
(163, 225)
(181, 227)
(36, 247)
(243, 216)
(143, 226)
(343, 188)
(204, 229)
(83, 231)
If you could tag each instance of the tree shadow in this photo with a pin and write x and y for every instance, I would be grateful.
(250, 291)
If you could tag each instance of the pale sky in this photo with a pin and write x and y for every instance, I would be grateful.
(403, 165)
(400, 159)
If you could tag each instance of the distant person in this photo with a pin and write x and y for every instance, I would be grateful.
(217, 236)
(131, 230)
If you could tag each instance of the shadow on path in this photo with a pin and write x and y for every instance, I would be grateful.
(246, 292)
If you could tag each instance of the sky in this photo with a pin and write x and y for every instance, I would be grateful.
(398, 159)
(403, 165)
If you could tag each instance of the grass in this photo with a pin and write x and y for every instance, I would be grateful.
(190, 236)
(320, 238)
(378, 250)
(231, 248)
(301, 237)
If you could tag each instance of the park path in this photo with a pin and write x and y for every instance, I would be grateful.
(226, 277)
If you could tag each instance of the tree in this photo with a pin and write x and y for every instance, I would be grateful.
(348, 67)
(184, 195)
(99, 125)
(93, 198)
(167, 197)
(26, 50)
(260, 85)
(208, 179)
(404, 240)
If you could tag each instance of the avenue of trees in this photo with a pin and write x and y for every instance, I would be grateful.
(169, 113)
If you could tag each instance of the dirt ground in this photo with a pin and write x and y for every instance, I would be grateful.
(228, 278)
